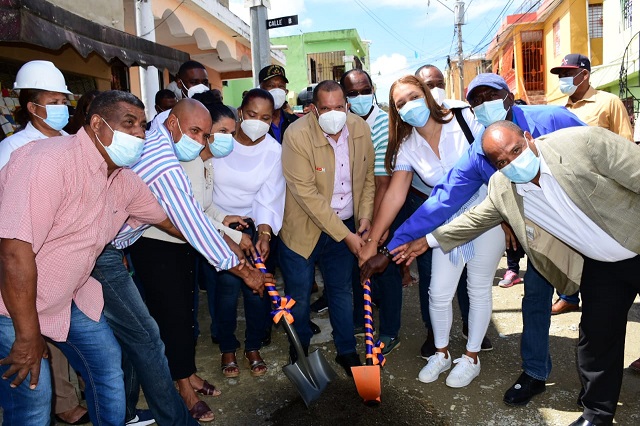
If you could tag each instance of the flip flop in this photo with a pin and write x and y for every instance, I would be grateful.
(200, 410)
(208, 389)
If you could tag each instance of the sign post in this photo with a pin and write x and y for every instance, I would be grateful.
(260, 45)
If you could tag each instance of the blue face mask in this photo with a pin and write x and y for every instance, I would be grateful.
(125, 149)
(57, 116)
(186, 148)
(524, 168)
(491, 111)
(361, 104)
(415, 112)
(222, 144)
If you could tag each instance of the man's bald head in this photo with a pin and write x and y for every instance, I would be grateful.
(503, 141)
(189, 117)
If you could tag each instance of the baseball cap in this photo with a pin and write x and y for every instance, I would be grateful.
(271, 71)
(487, 79)
(573, 61)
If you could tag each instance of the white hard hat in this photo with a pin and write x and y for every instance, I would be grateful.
(42, 75)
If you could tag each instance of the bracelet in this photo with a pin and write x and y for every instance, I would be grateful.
(369, 240)
(385, 252)
(266, 233)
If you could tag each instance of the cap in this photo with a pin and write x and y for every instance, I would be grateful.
(573, 61)
(271, 71)
(487, 79)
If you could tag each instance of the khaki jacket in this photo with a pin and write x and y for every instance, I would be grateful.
(599, 172)
(308, 163)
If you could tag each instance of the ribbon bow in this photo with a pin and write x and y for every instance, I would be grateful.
(283, 308)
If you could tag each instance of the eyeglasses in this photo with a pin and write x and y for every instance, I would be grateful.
(354, 93)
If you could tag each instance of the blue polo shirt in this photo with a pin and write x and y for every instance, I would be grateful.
(473, 170)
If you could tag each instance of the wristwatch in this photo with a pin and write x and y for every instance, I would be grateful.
(385, 251)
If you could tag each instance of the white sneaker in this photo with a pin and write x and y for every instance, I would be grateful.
(463, 373)
(436, 364)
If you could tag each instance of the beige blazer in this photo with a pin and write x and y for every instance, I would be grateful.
(599, 171)
(308, 164)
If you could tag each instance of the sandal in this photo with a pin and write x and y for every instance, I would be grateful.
(208, 389)
(201, 412)
(256, 363)
(230, 369)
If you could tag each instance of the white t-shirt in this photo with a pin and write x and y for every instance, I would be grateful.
(17, 140)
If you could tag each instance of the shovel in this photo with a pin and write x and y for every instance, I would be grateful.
(367, 377)
(309, 375)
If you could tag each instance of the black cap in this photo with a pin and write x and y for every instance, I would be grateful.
(573, 61)
(271, 71)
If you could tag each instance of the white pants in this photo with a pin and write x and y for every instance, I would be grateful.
(481, 269)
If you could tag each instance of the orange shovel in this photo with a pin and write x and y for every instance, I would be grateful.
(367, 377)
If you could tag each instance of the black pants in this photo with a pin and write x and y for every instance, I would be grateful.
(166, 271)
(608, 291)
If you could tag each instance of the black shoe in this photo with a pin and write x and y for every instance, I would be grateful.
(266, 340)
(314, 327)
(319, 305)
(347, 361)
(486, 344)
(525, 388)
(428, 347)
(293, 355)
(582, 422)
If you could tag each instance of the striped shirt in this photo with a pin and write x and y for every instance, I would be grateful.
(160, 169)
(378, 121)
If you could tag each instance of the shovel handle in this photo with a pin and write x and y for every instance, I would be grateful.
(371, 357)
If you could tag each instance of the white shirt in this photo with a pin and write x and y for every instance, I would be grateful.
(158, 120)
(249, 182)
(17, 140)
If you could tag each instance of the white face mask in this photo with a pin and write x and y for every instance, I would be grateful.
(254, 129)
(566, 85)
(198, 88)
(438, 94)
(279, 96)
(332, 122)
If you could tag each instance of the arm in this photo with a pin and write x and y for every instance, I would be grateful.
(615, 159)
(365, 209)
(619, 119)
(18, 283)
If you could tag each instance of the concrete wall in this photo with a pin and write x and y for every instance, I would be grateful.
(108, 13)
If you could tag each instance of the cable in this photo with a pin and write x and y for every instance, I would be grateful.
(162, 22)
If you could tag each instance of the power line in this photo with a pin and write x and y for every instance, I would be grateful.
(162, 22)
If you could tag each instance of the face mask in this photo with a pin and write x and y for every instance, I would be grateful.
(361, 104)
(415, 113)
(332, 122)
(254, 129)
(524, 168)
(198, 88)
(491, 111)
(279, 96)
(222, 144)
(57, 116)
(566, 85)
(125, 149)
(438, 94)
(186, 148)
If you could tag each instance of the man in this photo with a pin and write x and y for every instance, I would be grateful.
(387, 288)
(596, 108)
(273, 79)
(492, 101)
(124, 309)
(165, 100)
(327, 161)
(61, 202)
(192, 78)
(575, 207)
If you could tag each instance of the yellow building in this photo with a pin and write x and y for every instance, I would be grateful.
(528, 45)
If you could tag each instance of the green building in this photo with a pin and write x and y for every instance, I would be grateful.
(311, 58)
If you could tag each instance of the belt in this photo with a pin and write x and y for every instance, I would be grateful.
(418, 193)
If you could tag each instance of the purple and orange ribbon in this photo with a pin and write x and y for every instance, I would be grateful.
(282, 305)
(374, 351)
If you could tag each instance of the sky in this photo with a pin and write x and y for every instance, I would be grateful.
(404, 34)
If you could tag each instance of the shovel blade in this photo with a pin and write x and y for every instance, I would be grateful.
(367, 378)
(310, 383)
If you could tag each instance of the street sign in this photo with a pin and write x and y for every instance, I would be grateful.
(285, 21)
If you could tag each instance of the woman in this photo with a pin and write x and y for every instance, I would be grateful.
(425, 139)
(80, 115)
(248, 182)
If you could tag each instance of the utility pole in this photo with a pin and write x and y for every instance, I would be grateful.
(459, 21)
(149, 82)
(260, 45)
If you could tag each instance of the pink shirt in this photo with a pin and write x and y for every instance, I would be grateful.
(342, 199)
(56, 196)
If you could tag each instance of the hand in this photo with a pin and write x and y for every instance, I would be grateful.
(25, 358)
(369, 250)
(255, 279)
(509, 237)
(364, 228)
(354, 242)
(246, 245)
(235, 248)
(263, 246)
(408, 252)
(375, 265)
(229, 219)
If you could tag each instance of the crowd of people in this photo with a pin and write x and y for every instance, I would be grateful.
(111, 225)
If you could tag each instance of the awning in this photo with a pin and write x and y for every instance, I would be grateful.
(41, 23)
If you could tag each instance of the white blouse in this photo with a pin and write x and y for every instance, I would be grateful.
(249, 182)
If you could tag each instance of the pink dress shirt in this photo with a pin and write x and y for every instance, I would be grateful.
(342, 199)
(56, 196)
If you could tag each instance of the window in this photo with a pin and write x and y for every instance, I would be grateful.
(625, 6)
(556, 38)
(595, 21)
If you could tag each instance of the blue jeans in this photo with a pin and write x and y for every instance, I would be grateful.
(536, 320)
(336, 265)
(207, 274)
(93, 351)
(144, 361)
(574, 299)
(228, 288)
